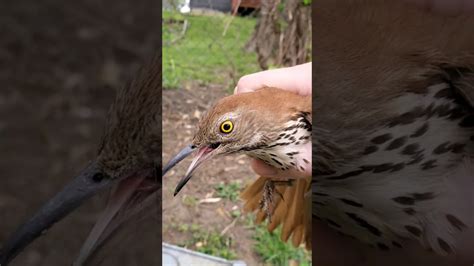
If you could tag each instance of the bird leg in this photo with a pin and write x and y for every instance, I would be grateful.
(266, 203)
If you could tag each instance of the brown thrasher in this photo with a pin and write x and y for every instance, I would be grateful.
(272, 125)
(128, 157)
(394, 127)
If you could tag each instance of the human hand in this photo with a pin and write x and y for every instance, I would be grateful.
(297, 79)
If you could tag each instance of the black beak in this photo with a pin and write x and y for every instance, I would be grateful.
(204, 153)
(178, 158)
(174, 161)
(85, 185)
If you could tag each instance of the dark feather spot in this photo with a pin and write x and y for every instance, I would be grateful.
(444, 246)
(320, 194)
(443, 148)
(428, 165)
(278, 162)
(351, 202)
(413, 230)
(318, 203)
(347, 175)
(331, 222)
(423, 196)
(443, 110)
(363, 223)
(406, 118)
(457, 148)
(396, 244)
(382, 246)
(410, 149)
(383, 167)
(454, 221)
(418, 157)
(306, 161)
(398, 167)
(420, 131)
(404, 200)
(468, 121)
(396, 143)
(444, 93)
(457, 113)
(409, 211)
(303, 137)
(369, 150)
(381, 139)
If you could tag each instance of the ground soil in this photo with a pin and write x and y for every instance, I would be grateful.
(60, 65)
(181, 112)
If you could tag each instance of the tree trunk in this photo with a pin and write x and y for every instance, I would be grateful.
(282, 38)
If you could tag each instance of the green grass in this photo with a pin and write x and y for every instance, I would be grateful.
(272, 250)
(208, 242)
(229, 191)
(203, 54)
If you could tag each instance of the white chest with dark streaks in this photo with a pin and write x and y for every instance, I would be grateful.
(291, 148)
(410, 179)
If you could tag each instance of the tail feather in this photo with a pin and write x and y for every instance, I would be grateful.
(291, 210)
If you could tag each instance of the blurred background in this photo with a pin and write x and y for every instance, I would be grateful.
(60, 65)
(207, 46)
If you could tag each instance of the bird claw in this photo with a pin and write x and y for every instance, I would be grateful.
(266, 203)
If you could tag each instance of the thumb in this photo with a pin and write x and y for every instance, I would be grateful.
(266, 170)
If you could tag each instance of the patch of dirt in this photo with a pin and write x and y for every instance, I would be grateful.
(60, 64)
(181, 112)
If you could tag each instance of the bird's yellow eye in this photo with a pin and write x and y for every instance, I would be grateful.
(227, 126)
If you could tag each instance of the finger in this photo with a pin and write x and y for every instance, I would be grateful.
(297, 79)
(266, 170)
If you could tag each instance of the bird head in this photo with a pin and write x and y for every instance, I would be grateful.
(241, 123)
(128, 158)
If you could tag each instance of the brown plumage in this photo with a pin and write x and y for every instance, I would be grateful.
(394, 128)
(291, 209)
(273, 125)
(128, 157)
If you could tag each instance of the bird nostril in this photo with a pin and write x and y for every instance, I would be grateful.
(97, 177)
(215, 145)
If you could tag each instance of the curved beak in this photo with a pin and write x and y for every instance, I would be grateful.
(131, 195)
(203, 154)
(82, 187)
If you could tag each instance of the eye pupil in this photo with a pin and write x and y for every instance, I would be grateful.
(226, 127)
(98, 177)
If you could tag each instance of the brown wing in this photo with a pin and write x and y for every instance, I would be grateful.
(292, 210)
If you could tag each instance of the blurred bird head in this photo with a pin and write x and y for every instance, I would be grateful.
(128, 157)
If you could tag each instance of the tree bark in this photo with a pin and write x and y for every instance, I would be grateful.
(282, 38)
